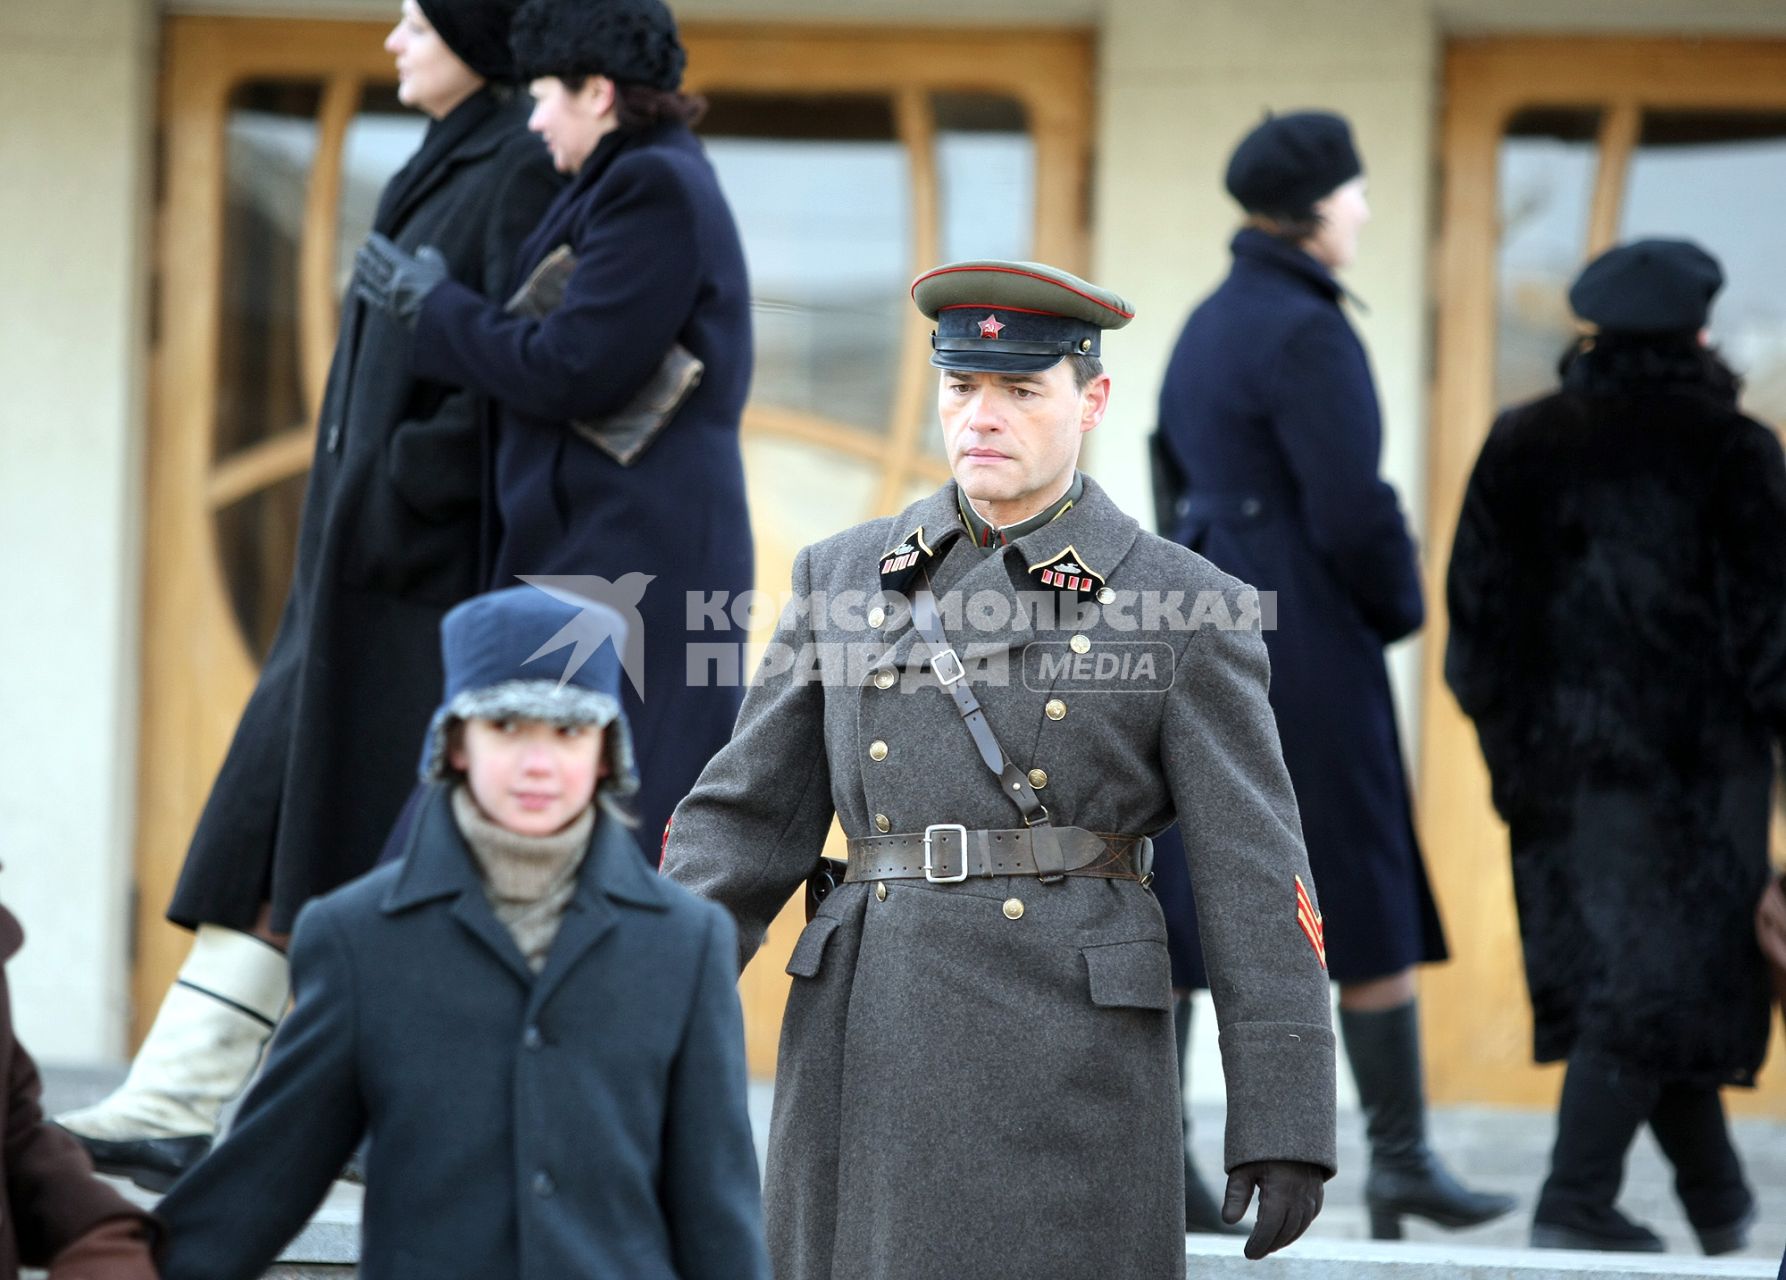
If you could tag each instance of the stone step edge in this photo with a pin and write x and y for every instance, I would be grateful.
(331, 1240)
(1220, 1257)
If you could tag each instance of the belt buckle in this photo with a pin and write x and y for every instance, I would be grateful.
(929, 864)
(949, 660)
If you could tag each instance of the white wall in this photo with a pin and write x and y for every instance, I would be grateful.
(1181, 81)
(75, 84)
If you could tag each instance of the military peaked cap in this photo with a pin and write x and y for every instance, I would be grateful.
(1648, 286)
(1013, 317)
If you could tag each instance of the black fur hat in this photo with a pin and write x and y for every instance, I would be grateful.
(477, 31)
(630, 41)
(1289, 162)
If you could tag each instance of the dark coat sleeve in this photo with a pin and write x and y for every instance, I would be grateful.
(1748, 510)
(1325, 415)
(1476, 595)
(755, 824)
(638, 271)
(230, 1215)
(51, 1192)
(711, 1197)
(437, 448)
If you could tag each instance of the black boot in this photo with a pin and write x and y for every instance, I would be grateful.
(1600, 1112)
(1708, 1177)
(1406, 1178)
(1201, 1212)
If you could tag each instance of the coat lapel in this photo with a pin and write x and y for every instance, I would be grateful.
(474, 130)
(436, 865)
(1093, 534)
(614, 879)
(1091, 537)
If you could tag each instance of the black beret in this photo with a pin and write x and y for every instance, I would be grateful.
(477, 31)
(630, 41)
(1648, 286)
(1289, 162)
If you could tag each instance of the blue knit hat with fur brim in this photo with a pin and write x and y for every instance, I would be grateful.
(530, 654)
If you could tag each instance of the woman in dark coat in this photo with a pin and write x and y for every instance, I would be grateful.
(1269, 412)
(390, 540)
(657, 263)
(1617, 594)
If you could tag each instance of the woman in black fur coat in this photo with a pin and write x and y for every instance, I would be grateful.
(1617, 594)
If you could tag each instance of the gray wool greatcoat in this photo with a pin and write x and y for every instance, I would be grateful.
(961, 1093)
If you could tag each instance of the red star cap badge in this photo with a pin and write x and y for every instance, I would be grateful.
(990, 327)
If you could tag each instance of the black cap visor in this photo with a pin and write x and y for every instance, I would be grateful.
(994, 355)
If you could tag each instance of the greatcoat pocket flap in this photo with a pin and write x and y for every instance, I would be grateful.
(809, 951)
(1129, 975)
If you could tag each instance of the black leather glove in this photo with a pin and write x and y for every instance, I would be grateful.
(1290, 1194)
(396, 280)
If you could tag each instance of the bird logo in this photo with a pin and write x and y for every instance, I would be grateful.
(593, 627)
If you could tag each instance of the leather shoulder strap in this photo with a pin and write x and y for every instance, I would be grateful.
(1050, 861)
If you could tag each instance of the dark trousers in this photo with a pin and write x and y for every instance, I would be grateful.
(1602, 1108)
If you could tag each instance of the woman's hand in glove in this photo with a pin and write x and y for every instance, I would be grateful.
(396, 280)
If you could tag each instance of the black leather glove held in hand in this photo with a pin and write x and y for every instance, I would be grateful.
(396, 280)
(1290, 1194)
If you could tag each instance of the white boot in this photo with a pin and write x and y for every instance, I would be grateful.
(202, 1049)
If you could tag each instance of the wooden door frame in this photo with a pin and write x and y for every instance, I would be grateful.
(1049, 71)
(1477, 1018)
(183, 733)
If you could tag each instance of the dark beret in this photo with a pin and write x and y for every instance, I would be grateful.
(1648, 286)
(630, 41)
(477, 31)
(1289, 162)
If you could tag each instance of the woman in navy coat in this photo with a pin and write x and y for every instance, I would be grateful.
(1269, 411)
(657, 262)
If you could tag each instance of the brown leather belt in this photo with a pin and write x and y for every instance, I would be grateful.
(948, 853)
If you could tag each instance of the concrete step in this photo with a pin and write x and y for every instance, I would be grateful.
(1219, 1258)
(1492, 1148)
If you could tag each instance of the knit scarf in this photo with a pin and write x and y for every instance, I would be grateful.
(529, 880)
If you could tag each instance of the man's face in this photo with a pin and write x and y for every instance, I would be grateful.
(1013, 438)
(528, 776)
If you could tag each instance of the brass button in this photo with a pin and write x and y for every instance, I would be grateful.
(1079, 644)
(881, 824)
(877, 750)
(1056, 709)
(880, 891)
(1106, 596)
(876, 616)
(884, 679)
(1038, 779)
(1013, 908)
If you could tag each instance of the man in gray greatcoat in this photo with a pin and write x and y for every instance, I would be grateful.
(1000, 694)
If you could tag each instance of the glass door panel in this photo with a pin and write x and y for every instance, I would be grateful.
(1719, 177)
(1548, 159)
(271, 143)
(821, 188)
